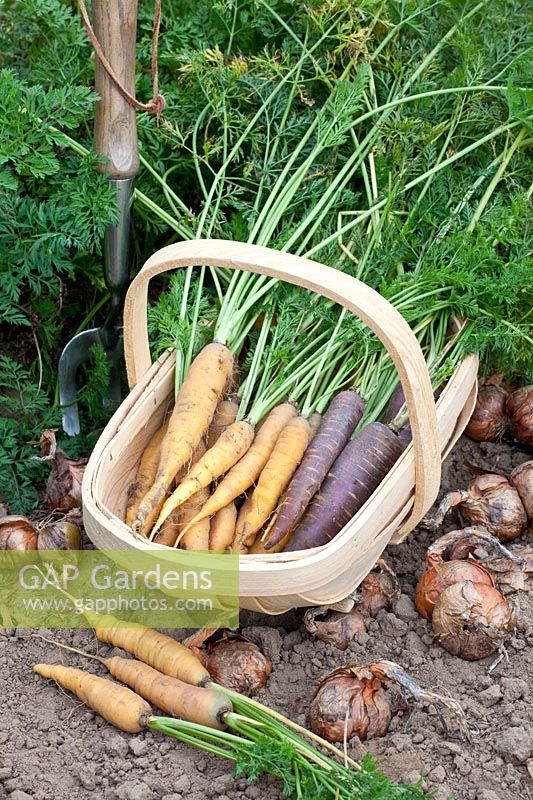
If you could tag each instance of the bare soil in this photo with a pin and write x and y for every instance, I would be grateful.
(51, 746)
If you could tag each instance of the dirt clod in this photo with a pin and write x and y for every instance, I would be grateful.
(490, 696)
(515, 745)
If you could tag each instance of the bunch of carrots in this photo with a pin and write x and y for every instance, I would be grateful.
(240, 466)
(201, 713)
(274, 441)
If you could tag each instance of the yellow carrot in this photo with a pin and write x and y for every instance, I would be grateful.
(223, 528)
(274, 479)
(196, 536)
(115, 703)
(227, 450)
(157, 649)
(168, 533)
(192, 414)
(247, 470)
(145, 476)
(225, 414)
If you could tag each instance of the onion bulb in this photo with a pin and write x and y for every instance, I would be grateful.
(488, 421)
(448, 562)
(522, 480)
(63, 534)
(17, 533)
(237, 664)
(436, 579)
(337, 628)
(511, 575)
(472, 620)
(378, 592)
(351, 701)
(63, 487)
(490, 502)
(520, 413)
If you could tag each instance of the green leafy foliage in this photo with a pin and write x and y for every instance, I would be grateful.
(25, 413)
(268, 102)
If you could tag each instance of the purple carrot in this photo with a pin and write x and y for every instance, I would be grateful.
(396, 403)
(354, 476)
(338, 423)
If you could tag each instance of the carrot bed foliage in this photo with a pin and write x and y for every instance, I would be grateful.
(390, 140)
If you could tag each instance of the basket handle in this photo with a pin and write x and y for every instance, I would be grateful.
(376, 312)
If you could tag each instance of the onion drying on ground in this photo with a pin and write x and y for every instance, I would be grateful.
(488, 422)
(63, 533)
(472, 620)
(63, 487)
(377, 592)
(352, 701)
(441, 573)
(522, 479)
(233, 661)
(489, 501)
(520, 413)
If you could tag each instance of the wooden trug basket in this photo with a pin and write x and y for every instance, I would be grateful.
(276, 583)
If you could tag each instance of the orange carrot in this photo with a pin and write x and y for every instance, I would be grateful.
(274, 478)
(168, 533)
(156, 649)
(192, 414)
(223, 528)
(227, 450)
(195, 536)
(193, 703)
(146, 472)
(171, 528)
(225, 415)
(247, 470)
(115, 703)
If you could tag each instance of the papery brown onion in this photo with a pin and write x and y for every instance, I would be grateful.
(456, 545)
(522, 479)
(337, 628)
(436, 579)
(237, 664)
(462, 550)
(490, 502)
(472, 620)
(520, 413)
(378, 592)
(488, 422)
(64, 534)
(351, 699)
(17, 533)
(509, 575)
(63, 487)
(496, 505)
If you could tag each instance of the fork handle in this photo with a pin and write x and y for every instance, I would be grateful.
(115, 128)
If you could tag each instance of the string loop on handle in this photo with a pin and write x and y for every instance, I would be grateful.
(157, 103)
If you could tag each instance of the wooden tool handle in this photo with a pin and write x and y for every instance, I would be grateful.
(380, 316)
(115, 127)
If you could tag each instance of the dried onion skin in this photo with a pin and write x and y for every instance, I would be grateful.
(520, 413)
(351, 699)
(438, 577)
(488, 422)
(472, 620)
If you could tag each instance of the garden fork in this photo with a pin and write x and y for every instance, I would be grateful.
(115, 139)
